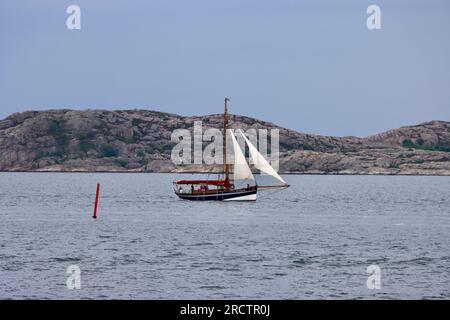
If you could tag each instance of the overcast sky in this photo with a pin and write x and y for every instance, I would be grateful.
(311, 66)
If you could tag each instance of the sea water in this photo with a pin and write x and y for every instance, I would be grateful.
(315, 239)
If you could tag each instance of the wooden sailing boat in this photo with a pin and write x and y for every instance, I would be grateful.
(224, 189)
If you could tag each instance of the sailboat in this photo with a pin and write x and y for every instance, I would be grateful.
(224, 189)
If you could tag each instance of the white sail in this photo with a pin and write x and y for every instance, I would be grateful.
(241, 169)
(259, 161)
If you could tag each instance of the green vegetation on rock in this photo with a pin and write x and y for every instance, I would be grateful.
(421, 146)
(122, 162)
(108, 151)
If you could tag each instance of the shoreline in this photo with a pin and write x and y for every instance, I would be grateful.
(213, 173)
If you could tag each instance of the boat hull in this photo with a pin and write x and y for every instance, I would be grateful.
(248, 194)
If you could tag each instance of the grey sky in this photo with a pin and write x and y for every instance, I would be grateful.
(311, 66)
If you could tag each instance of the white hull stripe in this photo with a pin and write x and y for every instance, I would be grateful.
(250, 197)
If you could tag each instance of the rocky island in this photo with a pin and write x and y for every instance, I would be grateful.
(140, 141)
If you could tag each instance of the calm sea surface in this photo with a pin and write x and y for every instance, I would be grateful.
(313, 240)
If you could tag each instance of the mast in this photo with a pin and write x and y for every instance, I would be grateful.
(225, 127)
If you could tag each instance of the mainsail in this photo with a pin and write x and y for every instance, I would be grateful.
(241, 169)
(259, 162)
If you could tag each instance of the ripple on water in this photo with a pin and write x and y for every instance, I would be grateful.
(148, 244)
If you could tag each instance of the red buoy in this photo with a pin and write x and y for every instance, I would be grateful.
(96, 200)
